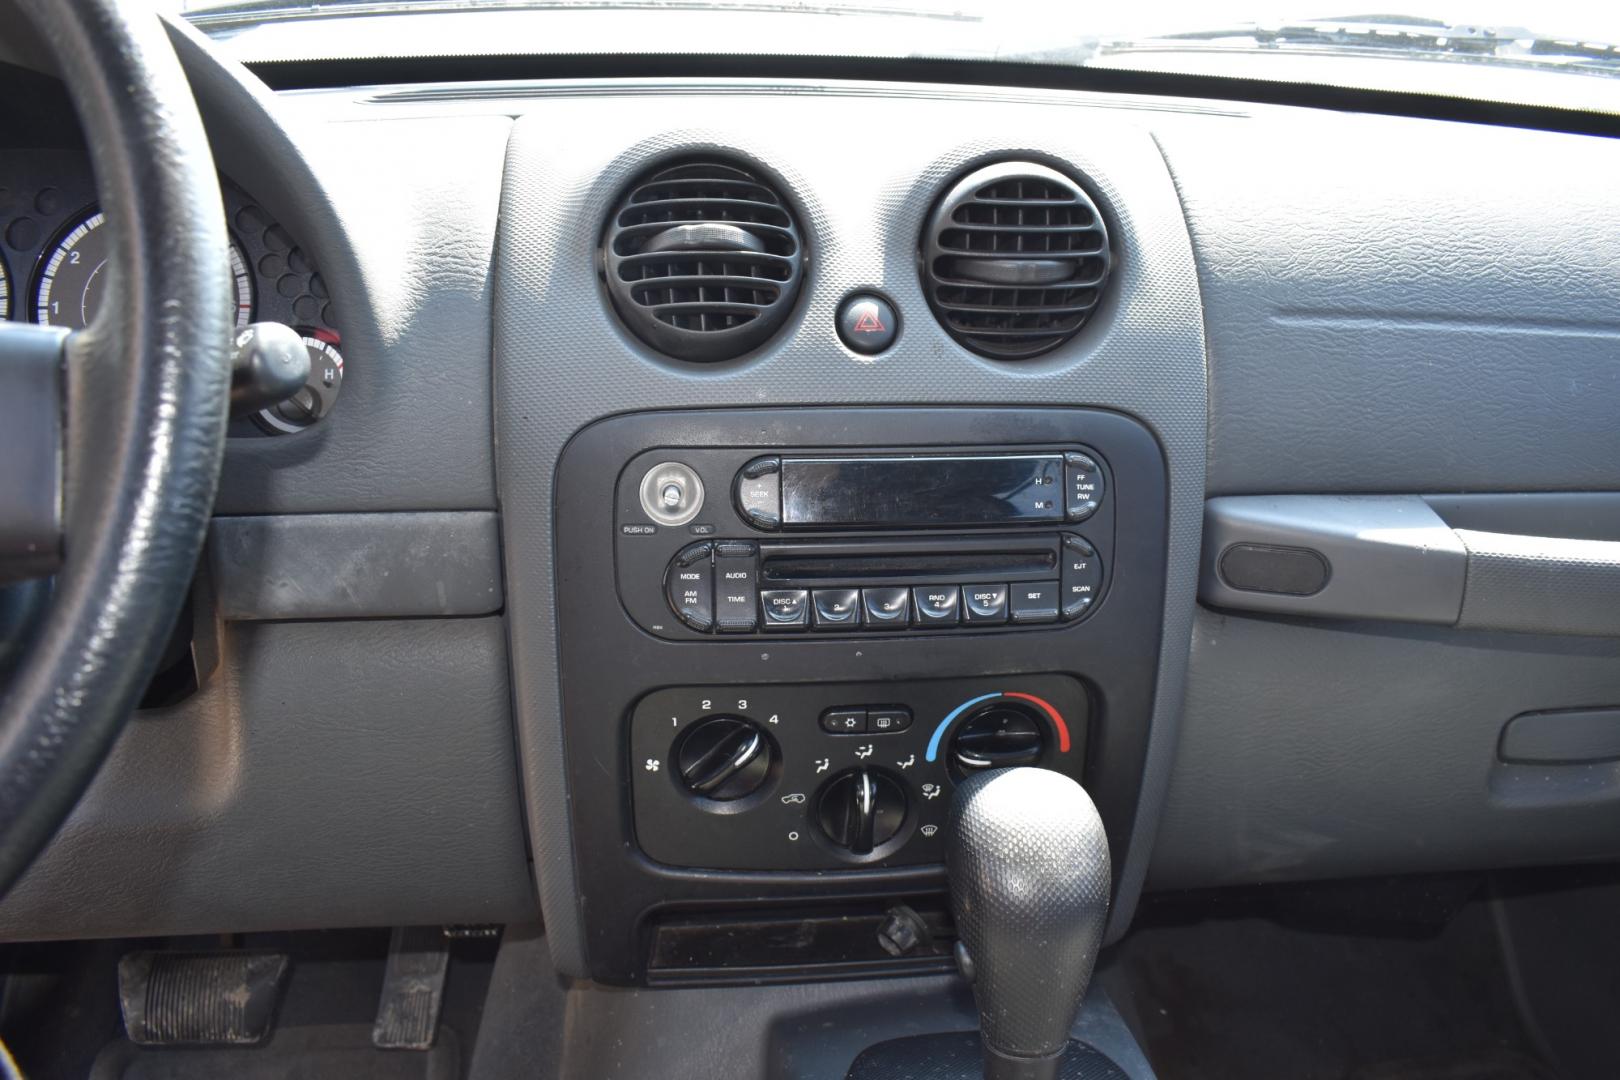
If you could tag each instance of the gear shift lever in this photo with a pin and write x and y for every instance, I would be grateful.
(1029, 876)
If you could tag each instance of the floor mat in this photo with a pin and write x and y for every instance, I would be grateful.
(1245, 995)
(338, 1052)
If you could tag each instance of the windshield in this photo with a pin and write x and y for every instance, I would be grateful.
(1557, 53)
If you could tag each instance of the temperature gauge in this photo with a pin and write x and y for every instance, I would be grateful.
(317, 397)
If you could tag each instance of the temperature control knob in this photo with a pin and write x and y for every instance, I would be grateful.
(1000, 735)
(861, 809)
(723, 758)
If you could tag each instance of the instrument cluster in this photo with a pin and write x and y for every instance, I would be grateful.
(54, 258)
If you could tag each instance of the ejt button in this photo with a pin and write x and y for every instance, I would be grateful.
(1082, 576)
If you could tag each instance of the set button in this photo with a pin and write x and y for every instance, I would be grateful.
(866, 720)
(1034, 602)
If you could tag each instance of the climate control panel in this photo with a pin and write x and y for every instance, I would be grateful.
(833, 775)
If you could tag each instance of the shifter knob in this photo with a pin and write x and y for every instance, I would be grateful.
(1029, 877)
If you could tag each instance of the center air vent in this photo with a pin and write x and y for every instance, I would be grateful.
(1014, 259)
(703, 260)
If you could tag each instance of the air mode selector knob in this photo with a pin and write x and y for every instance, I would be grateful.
(723, 758)
(861, 809)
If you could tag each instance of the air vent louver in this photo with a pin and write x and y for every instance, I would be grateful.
(1014, 259)
(703, 260)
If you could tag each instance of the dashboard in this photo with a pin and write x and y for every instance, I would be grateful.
(700, 508)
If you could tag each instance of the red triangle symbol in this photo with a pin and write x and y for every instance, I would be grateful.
(868, 322)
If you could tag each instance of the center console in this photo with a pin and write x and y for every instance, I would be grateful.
(792, 633)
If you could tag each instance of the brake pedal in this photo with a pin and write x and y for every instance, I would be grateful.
(413, 989)
(225, 998)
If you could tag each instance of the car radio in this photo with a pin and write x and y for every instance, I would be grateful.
(887, 542)
(792, 632)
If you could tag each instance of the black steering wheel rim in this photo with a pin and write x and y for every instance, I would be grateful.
(144, 398)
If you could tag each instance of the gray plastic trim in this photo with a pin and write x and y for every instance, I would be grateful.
(330, 774)
(1393, 557)
(1541, 584)
(1389, 557)
(563, 361)
(347, 566)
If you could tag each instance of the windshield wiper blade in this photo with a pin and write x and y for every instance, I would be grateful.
(1397, 34)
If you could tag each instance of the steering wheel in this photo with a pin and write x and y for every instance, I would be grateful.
(111, 437)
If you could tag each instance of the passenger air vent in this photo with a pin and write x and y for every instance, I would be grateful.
(703, 260)
(1014, 259)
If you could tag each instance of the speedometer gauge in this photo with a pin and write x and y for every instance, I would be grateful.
(74, 278)
(5, 291)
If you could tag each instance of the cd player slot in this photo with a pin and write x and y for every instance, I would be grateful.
(868, 567)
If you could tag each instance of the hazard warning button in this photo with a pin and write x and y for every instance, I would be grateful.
(867, 323)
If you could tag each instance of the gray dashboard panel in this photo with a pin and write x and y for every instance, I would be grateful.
(1319, 750)
(331, 774)
(1402, 305)
(562, 361)
(355, 566)
(400, 218)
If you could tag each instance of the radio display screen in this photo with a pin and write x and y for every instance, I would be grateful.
(990, 489)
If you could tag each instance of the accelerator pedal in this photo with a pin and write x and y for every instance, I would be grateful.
(413, 989)
(221, 998)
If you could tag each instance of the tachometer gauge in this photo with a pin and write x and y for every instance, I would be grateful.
(74, 277)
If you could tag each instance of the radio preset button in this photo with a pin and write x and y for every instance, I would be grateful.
(1034, 601)
(936, 605)
(1082, 576)
(759, 493)
(887, 609)
(736, 587)
(844, 721)
(1082, 486)
(785, 609)
(984, 603)
(837, 609)
(690, 586)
